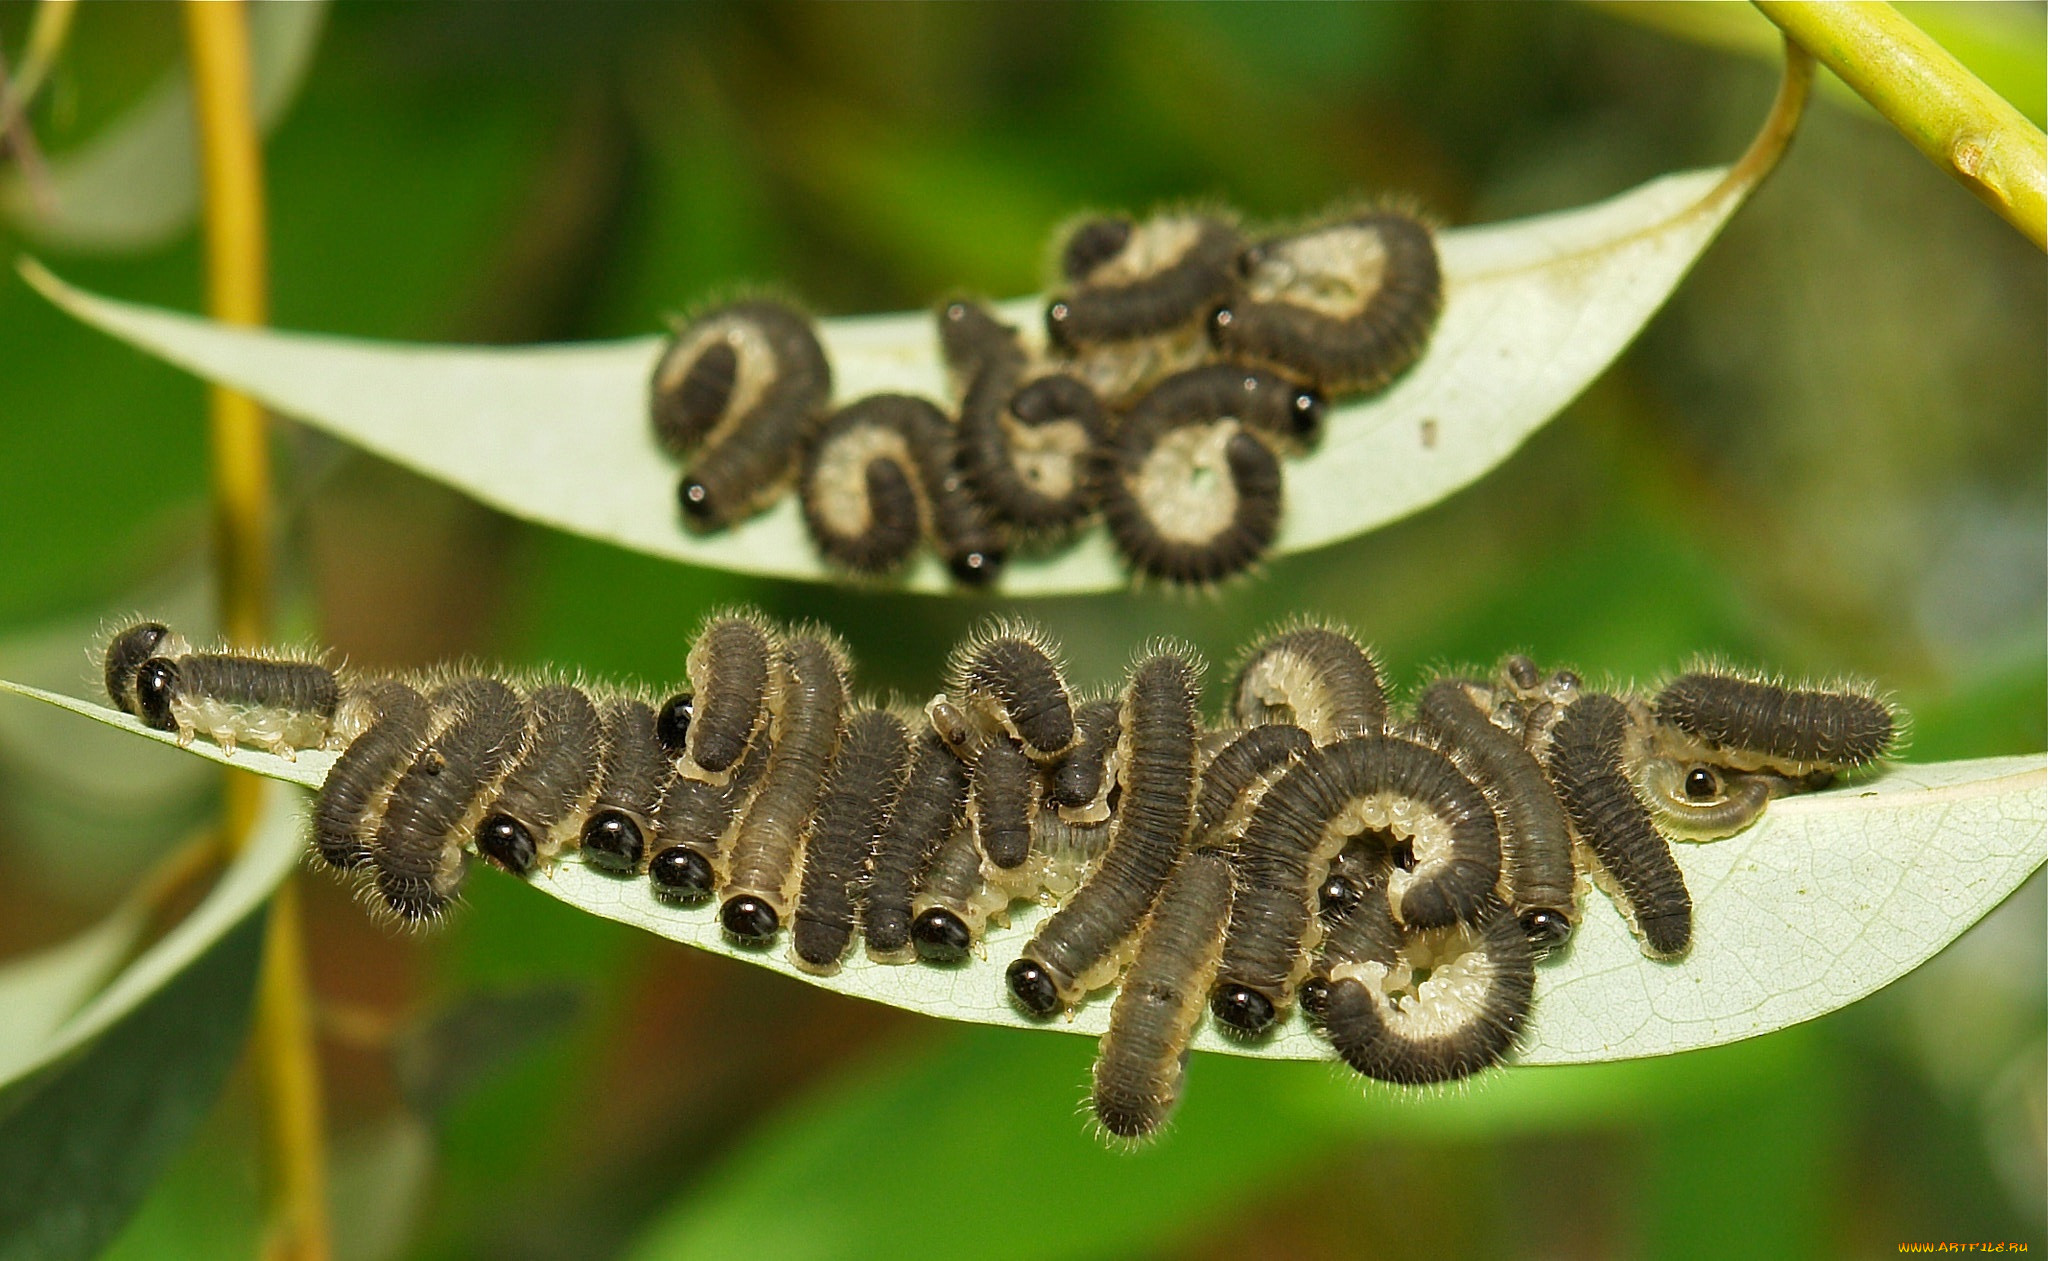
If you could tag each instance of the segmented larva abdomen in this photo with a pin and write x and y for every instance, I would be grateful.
(732, 667)
(1465, 1018)
(1163, 273)
(1048, 491)
(1078, 780)
(365, 771)
(1587, 767)
(861, 485)
(1139, 1064)
(555, 772)
(1535, 835)
(1003, 791)
(1009, 679)
(1347, 306)
(696, 821)
(417, 851)
(933, 798)
(766, 860)
(280, 705)
(620, 830)
(860, 793)
(1320, 679)
(1076, 949)
(1810, 729)
(1252, 756)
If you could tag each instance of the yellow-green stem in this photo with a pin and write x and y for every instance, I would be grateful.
(1948, 113)
(237, 286)
(46, 36)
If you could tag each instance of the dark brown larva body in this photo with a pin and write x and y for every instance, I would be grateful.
(767, 860)
(1346, 306)
(1008, 678)
(416, 851)
(230, 699)
(733, 665)
(1002, 796)
(933, 799)
(1139, 1064)
(696, 820)
(1315, 677)
(860, 794)
(862, 491)
(401, 722)
(742, 386)
(1535, 834)
(1798, 730)
(1587, 766)
(1252, 756)
(1357, 871)
(1079, 781)
(620, 832)
(1077, 949)
(555, 773)
(953, 900)
(1165, 272)
(127, 651)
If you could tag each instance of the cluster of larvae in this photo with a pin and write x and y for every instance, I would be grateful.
(1181, 360)
(1396, 874)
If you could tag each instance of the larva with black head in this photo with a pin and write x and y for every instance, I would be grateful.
(767, 859)
(1755, 724)
(356, 783)
(277, 704)
(860, 794)
(696, 821)
(735, 676)
(1588, 766)
(1080, 947)
(1007, 676)
(1161, 274)
(932, 802)
(1366, 784)
(126, 653)
(862, 490)
(955, 898)
(743, 386)
(1143, 1055)
(1704, 800)
(1346, 306)
(1081, 780)
(1357, 871)
(1317, 677)
(619, 831)
(1422, 1006)
(553, 777)
(1002, 798)
(416, 851)
(1251, 759)
(1535, 834)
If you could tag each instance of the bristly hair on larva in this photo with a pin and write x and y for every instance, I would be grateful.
(863, 492)
(860, 794)
(1750, 721)
(933, 799)
(618, 833)
(1142, 281)
(1081, 782)
(1008, 676)
(553, 780)
(353, 794)
(277, 699)
(734, 666)
(1314, 674)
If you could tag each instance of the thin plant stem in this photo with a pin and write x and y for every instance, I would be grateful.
(1967, 129)
(237, 283)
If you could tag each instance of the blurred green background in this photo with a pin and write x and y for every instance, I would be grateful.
(1827, 455)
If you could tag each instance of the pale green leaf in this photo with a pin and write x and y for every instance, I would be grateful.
(40, 992)
(1534, 311)
(1829, 898)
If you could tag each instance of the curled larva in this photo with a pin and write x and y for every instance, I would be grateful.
(619, 831)
(1189, 484)
(356, 784)
(735, 676)
(1317, 677)
(1357, 871)
(1703, 800)
(741, 386)
(860, 793)
(1081, 781)
(416, 851)
(1587, 764)
(1407, 792)
(1422, 1006)
(1755, 724)
(1242, 768)
(126, 652)
(1535, 835)
(696, 821)
(1080, 947)
(278, 704)
(1007, 676)
(1140, 1061)
(1129, 281)
(1346, 306)
(761, 883)
(552, 780)
(932, 802)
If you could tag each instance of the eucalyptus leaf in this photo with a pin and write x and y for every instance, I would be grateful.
(1828, 898)
(1535, 309)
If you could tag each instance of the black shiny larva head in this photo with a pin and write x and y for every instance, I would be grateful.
(1032, 986)
(613, 841)
(1702, 784)
(680, 874)
(1219, 323)
(156, 682)
(1339, 896)
(126, 654)
(749, 920)
(975, 569)
(941, 937)
(1242, 1010)
(672, 723)
(506, 843)
(1544, 927)
(1314, 997)
(1305, 416)
(700, 508)
(1058, 316)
